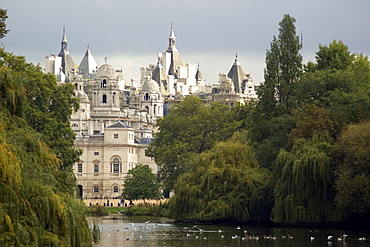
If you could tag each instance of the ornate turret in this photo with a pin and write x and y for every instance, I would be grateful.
(172, 40)
(68, 66)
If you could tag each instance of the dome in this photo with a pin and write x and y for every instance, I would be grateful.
(151, 85)
(106, 71)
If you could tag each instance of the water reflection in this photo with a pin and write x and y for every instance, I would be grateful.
(135, 231)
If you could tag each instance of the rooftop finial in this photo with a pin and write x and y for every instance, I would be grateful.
(172, 33)
(106, 59)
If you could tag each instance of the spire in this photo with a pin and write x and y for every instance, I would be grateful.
(198, 75)
(67, 62)
(236, 59)
(64, 39)
(171, 39)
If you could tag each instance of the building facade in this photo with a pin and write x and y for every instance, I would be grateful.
(116, 121)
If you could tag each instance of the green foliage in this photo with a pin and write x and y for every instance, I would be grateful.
(37, 203)
(141, 183)
(311, 120)
(283, 68)
(338, 82)
(334, 57)
(34, 209)
(353, 172)
(3, 17)
(189, 129)
(98, 210)
(303, 192)
(223, 183)
(47, 107)
(276, 133)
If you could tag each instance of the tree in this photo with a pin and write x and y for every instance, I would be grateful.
(338, 82)
(283, 68)
(311, 120)
(141, 183)
(336, 56)
(37, 196)
(36, 97)
(189, 129)
(224, 183)
(3, 17)
(353, 171)
(304, 193)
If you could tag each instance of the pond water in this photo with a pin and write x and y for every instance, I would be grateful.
(137, 231)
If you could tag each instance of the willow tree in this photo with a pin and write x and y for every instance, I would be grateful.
(34, 209)
(191, 128)
(224, 183)
(304, 192)
(37, 202)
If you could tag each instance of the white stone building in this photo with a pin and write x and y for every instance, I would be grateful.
(107, 158)
(116, 121)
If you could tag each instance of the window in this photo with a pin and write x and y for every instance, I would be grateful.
(115, 189)
(96, 153)
(115, 136)
(79, 168)
(104, 98)
(131, 166)
(96, 168)
(116, 166)
(96, 189)
(104, 84)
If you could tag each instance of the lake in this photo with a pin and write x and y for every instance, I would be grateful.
(137, 231)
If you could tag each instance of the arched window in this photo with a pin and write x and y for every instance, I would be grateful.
(116, 166)
(115, 189)
(104, 84)
(96, 189)
(104, 98)
(146, 97)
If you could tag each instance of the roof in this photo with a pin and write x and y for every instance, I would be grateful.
(151, 86)
(106, 70)
(199, 75)
(88, 64)
(67, 61)
(159, 74)
(237, 75)
(117, 125)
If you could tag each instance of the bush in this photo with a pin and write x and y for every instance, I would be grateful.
(98, 210)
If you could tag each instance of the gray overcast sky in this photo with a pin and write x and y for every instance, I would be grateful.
(131, 32)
